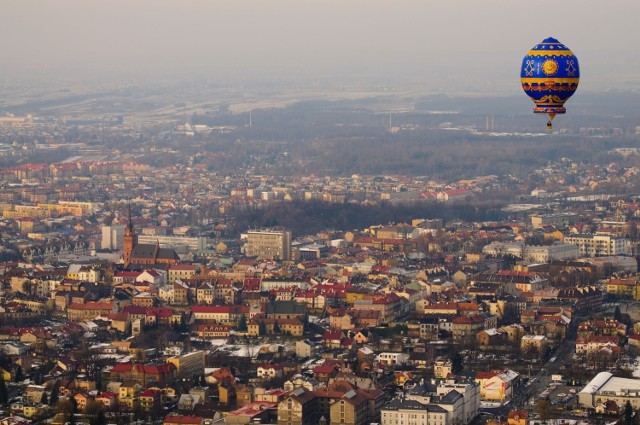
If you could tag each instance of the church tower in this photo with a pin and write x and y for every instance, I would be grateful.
(129, 240)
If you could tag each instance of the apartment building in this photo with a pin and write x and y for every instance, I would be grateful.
(269, 244)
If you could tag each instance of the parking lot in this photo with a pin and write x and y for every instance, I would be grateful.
(561, 396)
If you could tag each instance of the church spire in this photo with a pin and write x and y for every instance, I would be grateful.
(129, 240)
(130, 223)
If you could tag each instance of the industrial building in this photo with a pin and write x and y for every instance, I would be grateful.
(606, 387)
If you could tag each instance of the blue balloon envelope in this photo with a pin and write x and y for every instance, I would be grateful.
(550, 75)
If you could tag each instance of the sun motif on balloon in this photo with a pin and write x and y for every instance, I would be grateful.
(550, 67)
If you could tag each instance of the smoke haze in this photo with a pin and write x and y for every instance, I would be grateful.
(466, 44)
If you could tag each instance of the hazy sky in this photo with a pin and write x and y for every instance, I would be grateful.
(478, 42)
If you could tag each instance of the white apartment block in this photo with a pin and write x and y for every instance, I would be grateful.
(192, 244)
(112, 236)
(412, 412)
(460, 399)
(504, 248)
(598, 245)
(556, 252)
(392, 359)
(470, 392)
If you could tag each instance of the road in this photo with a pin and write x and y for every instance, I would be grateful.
(539, 381)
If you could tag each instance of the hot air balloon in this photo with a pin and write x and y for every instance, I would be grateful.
(549, 76)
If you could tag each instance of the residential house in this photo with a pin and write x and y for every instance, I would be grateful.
(269, 371)
(534, 345)
(352, 408)
(442, 368)
(594, 344)
(393, 359)
(496, 385)
(298, 408)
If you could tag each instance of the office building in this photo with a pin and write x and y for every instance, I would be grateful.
(269, 244)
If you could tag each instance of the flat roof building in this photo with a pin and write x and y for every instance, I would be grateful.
(269, 244)
(598, 245)
(606, 387)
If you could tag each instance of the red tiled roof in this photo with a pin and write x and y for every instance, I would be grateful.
(325, 370)
(160, 312)
(38, 331)
(601, 339)
(122, 368)
(271, 366)
(127, 274)
(91, 305)
(107, 394)
(187, 420)
(467, 320)
(485, 375)
(328, 335)
(184, 267)
(134, 309)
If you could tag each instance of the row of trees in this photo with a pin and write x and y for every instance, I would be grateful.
(307, 217)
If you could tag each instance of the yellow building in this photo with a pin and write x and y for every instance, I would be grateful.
(518, 417)
(34, 213)
(287, 326)
(31, 411)
(128, 396)
(298, 408)
(351, 409)
(150, 400)
(401, 377)
(629, 288)
(353, 294)
(395, 232)
(533, 344)
(188, 365)
(6, 375)
(81, 400)
(442, 368)
(38, 307)
(85, 384)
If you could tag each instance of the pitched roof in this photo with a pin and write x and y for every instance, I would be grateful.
(149, 251)
(91, 305)
(229, 309)
(187, 420)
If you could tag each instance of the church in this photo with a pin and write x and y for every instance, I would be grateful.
(147, 255)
